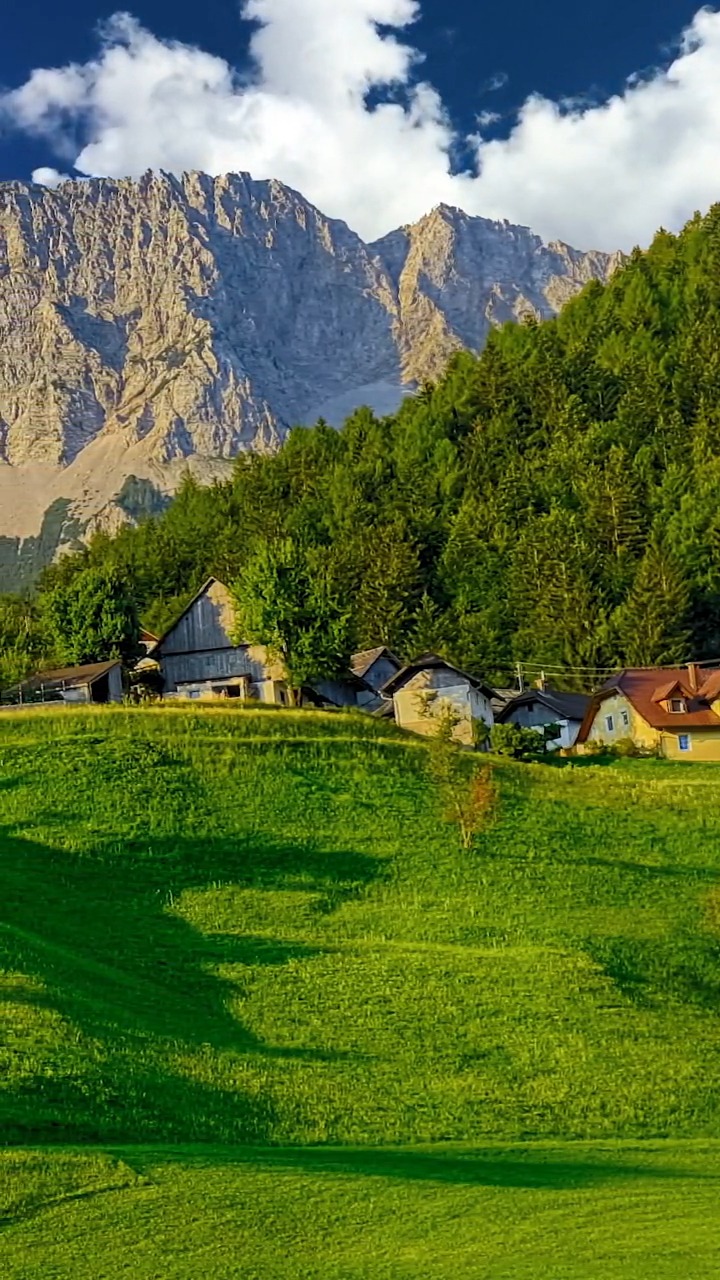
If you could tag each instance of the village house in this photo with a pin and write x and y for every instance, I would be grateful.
(430, 687)
(98, 682)
(198, 658)
(360, 686)
(537, 708)
(672, 710)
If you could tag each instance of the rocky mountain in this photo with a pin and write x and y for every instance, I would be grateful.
(151, 326)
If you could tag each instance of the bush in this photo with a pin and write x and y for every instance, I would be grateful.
(517, 742)
(624, 749)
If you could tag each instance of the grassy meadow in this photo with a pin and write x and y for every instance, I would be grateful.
(263, 1016)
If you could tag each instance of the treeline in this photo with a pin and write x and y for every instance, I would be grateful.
(552, 501)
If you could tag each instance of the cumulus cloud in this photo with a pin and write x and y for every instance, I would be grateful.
(46, 177)
(601, 176)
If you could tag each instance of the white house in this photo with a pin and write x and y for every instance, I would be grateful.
(536, 708)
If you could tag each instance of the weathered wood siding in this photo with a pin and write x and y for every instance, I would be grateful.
(200, 646)
(208, 624)
(115, 682)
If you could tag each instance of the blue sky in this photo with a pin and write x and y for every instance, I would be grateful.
(378, 109)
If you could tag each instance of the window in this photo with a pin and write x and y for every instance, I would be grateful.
(677, 705)
(685, 742)
(625, 719)
(609, 724)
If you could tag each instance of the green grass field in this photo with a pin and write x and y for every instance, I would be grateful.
(263, 1016)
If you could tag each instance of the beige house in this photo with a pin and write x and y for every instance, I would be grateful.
(674, 711)
(429, 688)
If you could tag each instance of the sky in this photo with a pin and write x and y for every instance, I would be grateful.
(594, 124)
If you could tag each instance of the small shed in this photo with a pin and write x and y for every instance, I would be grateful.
(98, 682)
(536, 708)
(426, 689)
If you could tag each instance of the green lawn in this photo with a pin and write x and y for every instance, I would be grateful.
(263, 1016)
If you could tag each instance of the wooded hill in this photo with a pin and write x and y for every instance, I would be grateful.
(553, 500)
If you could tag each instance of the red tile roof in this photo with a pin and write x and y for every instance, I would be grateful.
(710, 688)
(646, 688)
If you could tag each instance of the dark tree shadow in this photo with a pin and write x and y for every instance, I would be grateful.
(483, 1167)
(649, 972)
(102, 947)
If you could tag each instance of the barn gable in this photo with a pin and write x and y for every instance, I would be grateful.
(199, 655)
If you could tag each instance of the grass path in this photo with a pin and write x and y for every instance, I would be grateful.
(574, 1211)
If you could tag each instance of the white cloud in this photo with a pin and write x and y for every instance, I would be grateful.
(46, 177)
(595, 175)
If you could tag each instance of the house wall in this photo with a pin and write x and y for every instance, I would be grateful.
(542, 715)
(80, 693)
(423, 700)
(340, 692)
(704, 745)
(208, 624)
(414, 713)
(481, 707)
(197, 668)
(618, 707)
(116, 690)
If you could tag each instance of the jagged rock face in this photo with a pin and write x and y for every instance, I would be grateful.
(457, 276)
(149, 325)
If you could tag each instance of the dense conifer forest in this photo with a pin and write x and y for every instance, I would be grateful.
(553, 501)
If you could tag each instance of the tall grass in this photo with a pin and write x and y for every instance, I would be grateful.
(222, 925)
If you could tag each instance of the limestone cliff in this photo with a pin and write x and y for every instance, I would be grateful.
(171, 322)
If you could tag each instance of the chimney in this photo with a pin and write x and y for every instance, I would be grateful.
(693, 676)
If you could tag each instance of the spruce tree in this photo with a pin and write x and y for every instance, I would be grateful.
(651, 626)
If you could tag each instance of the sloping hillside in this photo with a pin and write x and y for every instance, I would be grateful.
(239, 928)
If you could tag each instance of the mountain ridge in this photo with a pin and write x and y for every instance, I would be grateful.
(152, 326)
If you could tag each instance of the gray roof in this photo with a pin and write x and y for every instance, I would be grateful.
(360, 663)
(72, 677)
(432, 662)
(568, 706)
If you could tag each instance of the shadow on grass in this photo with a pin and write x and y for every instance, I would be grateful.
(553, 761)
(99, 943)
(482, 1167)
(654, 971)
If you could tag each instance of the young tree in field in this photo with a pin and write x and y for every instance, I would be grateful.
(287, 599)
(466, 789)
(91, 618)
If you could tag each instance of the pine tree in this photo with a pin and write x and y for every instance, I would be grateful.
(651, 626)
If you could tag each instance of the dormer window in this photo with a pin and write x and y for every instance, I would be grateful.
(677, 706)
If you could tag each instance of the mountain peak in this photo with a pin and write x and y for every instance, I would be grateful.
(154, 323)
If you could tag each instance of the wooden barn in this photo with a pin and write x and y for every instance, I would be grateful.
(198, 657)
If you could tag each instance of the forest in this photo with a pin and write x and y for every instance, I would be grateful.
(552, 501)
